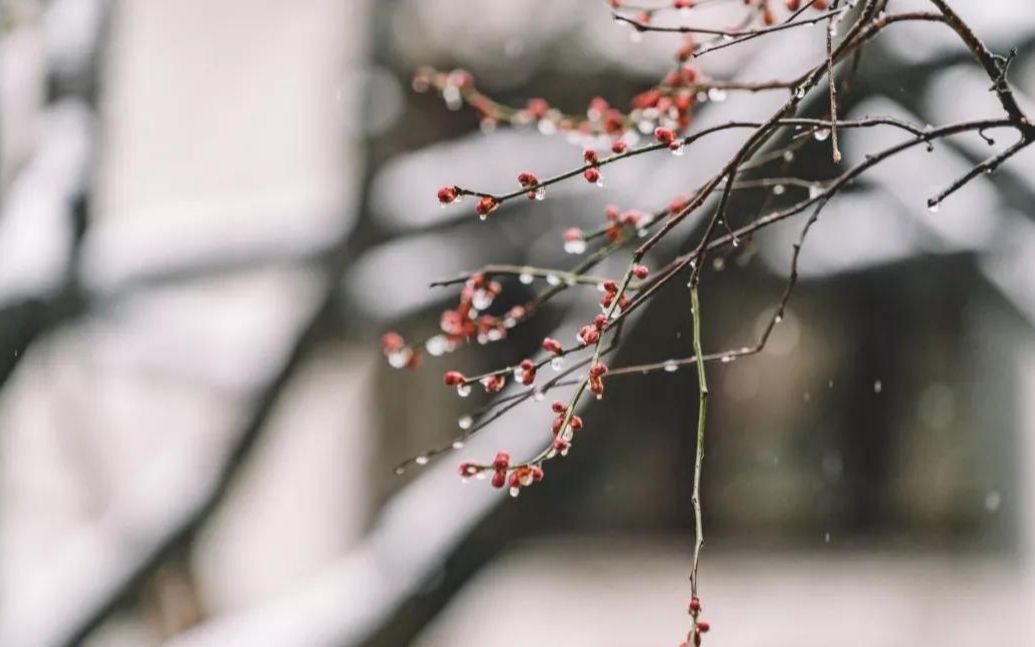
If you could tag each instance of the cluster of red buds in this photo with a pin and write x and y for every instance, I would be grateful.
(596, 379)
(610, 292)
(700, 626)
(398, 353)
(619, 220)
(503, 474)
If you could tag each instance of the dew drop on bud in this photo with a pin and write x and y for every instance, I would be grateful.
(821, 134)
(525, 278)
(933, 207)
(514, 491)
(465, 422)
(726, 359)
(799, 92)
(736, 242)
(436, 345)
(814, 191)
(671, 366)
(788, 156)
(553, 279)
(557, 363)
(480, 476)
(458, 444)
(575, 246)
(778, 189)
(463, 390)
(778, 318)
(399, 358)
(538, 396)
(540, 193)
(421, 460)
(677, 148)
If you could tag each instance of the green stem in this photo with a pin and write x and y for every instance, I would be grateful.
(702, 413)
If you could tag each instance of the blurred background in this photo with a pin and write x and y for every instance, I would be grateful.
(211, 209)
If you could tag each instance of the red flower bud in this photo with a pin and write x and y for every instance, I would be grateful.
(682, 4)
(499, 479)
(575, 423)
(452, 378)
(392, 341)
(501, 462)
(589, 335)
(527, 371)
(468, 469)
(537, 108)
(640, 271)
(537, 473)
(703, 626)
(561, 446)
(618, 147)
(573, 234)
(552, 346)
(598, 369)
(695, 606)
(611, 212)
(610, 286)
(592, 175)
(558, 406)
(526, 179)
(596, 385)
(494, 383)
(486, 206)
(590, 156)
(447, 194)
(600, 322)
(664, 135)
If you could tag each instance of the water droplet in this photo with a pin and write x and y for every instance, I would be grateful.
(821, 134)
(830, 384)
(525, 278)
(553, 279)
(635, 35)
(538, 396)
(421, 460)
(557, 363)
(799, 92)
(465, 422)
(718, 95)
(678, 148)
(736, 243)
(451, 95)
(878, 386)
(514, 491)
(480, 476)
(575, 246)
(436, 345)
(726, 359)
(671, 366)
(458, 444)
(788, 156)
(933, 206)
(993, 500)
(778, 189)
(826, 537)
(815, 191)
(399, 358)
(519, 374)
(540, 193)
(463, 390)
(547, 127)
(399, 470)
(777, 318)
